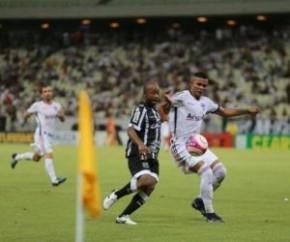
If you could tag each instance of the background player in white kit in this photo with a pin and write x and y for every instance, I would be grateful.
(46, 113)
(187, 110)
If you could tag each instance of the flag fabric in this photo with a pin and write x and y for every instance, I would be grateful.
(90, 189)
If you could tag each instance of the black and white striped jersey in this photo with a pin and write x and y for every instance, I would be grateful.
(147, 123)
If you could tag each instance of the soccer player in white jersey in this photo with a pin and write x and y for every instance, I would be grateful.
(46, 113)
(186, 112)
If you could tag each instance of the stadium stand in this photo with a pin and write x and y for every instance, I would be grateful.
(247, 65)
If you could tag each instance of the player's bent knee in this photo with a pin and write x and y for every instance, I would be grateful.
(220, 172)
(49, 155)
(36, 157)
(147, 180)
(148, 189)
(199, 165)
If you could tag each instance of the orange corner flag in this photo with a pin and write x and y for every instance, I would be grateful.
(90, 190)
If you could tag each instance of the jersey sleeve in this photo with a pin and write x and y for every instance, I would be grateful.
(137, 118)
(33, 108)
(177, 99)
(211, 106)
(58, 106)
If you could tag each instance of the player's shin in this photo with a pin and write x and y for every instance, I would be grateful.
(127, 189)
(50, 169)
(137, 201)
(206, 188)
(24, 156)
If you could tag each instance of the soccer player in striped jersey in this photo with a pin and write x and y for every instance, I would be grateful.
(46, 113)
(142, 154)
(187, 110)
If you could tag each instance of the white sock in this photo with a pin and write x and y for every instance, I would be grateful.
(206, 188)
(50, 169)
(24, 156)
(219, 174)
(133, 184)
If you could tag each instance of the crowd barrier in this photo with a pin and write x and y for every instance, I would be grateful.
(225, 140)
(252, 141)
(7, 137)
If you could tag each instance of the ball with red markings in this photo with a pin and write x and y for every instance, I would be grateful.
(196, 145)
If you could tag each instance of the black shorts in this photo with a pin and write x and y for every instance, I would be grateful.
(136, 165)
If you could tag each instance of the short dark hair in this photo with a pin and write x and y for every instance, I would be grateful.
(44, 85)
(200, 75)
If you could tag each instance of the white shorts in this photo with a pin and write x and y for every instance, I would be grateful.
(184, 160)
(42, 142)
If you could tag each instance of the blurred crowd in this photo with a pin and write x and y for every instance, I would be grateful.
(246, 66)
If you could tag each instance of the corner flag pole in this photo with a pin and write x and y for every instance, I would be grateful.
(79, 236)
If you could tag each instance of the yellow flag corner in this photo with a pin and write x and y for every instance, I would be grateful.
(90, 188)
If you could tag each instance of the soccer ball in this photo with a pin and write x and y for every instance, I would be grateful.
(196, 145)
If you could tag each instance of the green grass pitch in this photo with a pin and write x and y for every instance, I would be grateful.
(251, 200)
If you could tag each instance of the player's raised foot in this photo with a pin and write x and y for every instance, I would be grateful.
(213, 218)
(198, 205)
(13, 162)
(59, 181)
(110, 200)
(125, 219)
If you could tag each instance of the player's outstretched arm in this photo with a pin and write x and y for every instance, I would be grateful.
(26, 116)
(163, 110)
(232, 112)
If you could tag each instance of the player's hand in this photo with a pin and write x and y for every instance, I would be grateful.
(167, 96)
(144, 151)
(61, 115)
(23, 122)
(254, 111)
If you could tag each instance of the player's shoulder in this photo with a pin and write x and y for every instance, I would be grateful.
(55, 103)
(141, 105)
(37, 103)
(138, 108)
(205, 99)
(182, 93)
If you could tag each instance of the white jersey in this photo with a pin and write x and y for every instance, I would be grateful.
(46, 115)
(187, 113)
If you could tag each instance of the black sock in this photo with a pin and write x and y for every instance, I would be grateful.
(136, 202)
(124, 191)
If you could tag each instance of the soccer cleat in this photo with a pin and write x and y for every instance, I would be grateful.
(125, 219)
(198, 205)
(214, 218)
(59, 181)
(110, 200)
(13, 162)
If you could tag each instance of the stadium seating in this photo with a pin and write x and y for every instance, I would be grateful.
(246, 70)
